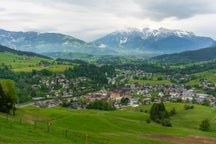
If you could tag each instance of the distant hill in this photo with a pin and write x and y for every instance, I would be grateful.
(161, 41)
(31, 54)
(188, 56)
(47, 42)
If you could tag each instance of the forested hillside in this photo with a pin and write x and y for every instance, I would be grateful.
(188, 56)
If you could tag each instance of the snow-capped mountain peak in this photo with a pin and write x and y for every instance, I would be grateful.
(146, 33)
(163, 33)
(158, 40)
(127, 30)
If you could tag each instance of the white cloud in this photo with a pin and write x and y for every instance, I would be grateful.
(90, 19)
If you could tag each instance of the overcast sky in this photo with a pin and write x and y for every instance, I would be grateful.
(91, 19)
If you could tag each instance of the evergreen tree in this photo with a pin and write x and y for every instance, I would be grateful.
(159, 114)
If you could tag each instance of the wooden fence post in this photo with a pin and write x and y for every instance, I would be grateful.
(20, 120)
(35, 124)
(48, 127)
(66, 133)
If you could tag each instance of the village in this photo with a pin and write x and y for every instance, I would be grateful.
(63, 90)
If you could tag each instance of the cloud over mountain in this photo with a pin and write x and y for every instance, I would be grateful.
(91, 19)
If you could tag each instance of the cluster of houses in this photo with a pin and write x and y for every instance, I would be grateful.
(60, 86)
(60, 90)
(135, 73)
(178, 78)
(205, 84)
(143, 95)
(47, 103)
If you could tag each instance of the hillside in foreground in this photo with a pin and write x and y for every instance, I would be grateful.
(129, 126)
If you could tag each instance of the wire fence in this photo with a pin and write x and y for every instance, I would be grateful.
(75, 136)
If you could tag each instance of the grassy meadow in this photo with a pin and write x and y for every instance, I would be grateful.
(128, 125)
(153, 81)
(24, 63)
(207, 75)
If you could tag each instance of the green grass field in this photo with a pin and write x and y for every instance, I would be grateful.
(207, 75)
(154, 82)
(124, 126)
(23, 63)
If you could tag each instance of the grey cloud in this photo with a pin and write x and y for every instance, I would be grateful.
(2, 9)
(155, 10)
(180, 9)
(114, 7)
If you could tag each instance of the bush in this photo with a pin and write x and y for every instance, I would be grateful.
(206, 102)
(205, 125)
(188, 107)
(101, 105)
(148, 120)
(124, 101)
(166, 122)
(173, 111)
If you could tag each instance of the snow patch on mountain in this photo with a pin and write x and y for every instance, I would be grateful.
(102, 46)
(123, 41)
(146, 33)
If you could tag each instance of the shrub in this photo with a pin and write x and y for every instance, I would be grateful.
(101, 105)
(173, 111)
(205, 125)
(166, 122)
(148, 120)
(188, 107)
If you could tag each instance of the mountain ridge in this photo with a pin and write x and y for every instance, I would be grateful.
(131, 41)
(157, 40)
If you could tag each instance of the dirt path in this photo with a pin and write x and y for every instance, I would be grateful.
(32, 118)
(185, 140)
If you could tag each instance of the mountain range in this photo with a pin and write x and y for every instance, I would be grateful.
(131, 41)
(46, 42)
(154, 41)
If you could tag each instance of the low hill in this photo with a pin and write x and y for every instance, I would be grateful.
(31, 54)
(205, 54)
(19, 61)
(128, 126)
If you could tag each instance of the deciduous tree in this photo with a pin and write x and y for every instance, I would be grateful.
(8, 97)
